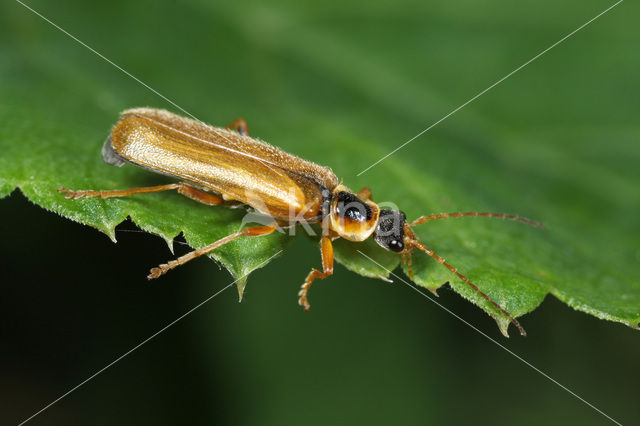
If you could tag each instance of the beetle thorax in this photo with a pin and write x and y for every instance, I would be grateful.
(350, 217)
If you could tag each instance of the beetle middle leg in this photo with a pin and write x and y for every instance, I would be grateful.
(240, 126)
(326, 249)
(182, 188)
(253, 231)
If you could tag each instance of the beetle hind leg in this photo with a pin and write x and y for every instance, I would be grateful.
(183, 188)
(327, 270)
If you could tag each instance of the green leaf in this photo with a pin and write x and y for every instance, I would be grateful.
(544, 144)
(366, 258)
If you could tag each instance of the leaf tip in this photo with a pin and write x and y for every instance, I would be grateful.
(504, 327)
(241, 284)
(111, 233)
(502, 322)
(383, 278)
(170, 242)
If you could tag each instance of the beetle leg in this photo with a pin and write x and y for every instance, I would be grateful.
(199, 195)
(253, 231)
(407, 260)
(326, 249)
(182, 188)
(240, 126)
(365, 194)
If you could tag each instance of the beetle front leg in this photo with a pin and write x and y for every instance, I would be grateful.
(365, 194)
(326, 249)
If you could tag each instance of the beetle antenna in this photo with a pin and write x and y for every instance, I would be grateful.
(504, 216)
(444, 263)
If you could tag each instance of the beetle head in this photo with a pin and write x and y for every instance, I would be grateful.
(390, 232)
(394, 233)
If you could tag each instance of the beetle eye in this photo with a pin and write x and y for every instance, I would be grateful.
(395, 245)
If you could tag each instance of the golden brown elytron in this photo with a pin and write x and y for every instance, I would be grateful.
(217, 166)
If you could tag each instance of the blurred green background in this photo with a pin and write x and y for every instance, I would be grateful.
(315, 74)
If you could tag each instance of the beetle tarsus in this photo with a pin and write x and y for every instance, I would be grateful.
(253, 231)
(88, 193)
(71, 194)
(303, 300)
(157, 272)
(162, 269)
(326, 249)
